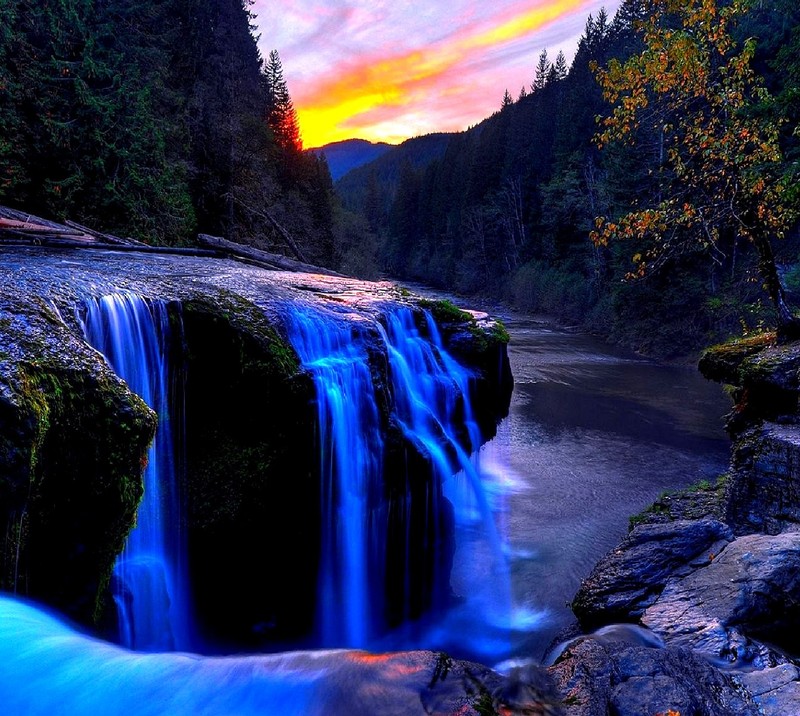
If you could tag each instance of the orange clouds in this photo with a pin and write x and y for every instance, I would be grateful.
(390, 96)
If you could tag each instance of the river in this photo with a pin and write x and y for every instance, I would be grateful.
(593, 436)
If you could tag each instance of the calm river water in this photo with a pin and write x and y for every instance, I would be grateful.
(594, 435)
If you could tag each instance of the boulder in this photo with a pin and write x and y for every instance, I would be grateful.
(73, 440)
(73, 437)
(746, 593)
(776, 690)
(601, 678)
(630, 578)
(766, 375)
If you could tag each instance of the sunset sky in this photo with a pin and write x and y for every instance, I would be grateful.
(386, 70)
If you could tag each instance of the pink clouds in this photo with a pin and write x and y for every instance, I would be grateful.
(386, 71)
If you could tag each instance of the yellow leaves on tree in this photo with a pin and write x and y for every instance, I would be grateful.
(721, 168)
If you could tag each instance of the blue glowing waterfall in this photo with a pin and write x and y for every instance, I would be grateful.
(431, 404)
(150, 576)
(432, 395)
(353, 529)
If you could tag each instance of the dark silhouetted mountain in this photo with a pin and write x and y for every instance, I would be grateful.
(350, 154)
(417, 152)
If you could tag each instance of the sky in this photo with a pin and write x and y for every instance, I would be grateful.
(387, 70)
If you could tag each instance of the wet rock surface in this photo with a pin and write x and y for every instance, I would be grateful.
(745, 591)
(629, 579)
(776, 689)
(734, 600)
(598, 679)
(73, 440)
(763, 493)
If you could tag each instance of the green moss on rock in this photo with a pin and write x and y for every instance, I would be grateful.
(703, 499)
(74, 442)
(722, 362)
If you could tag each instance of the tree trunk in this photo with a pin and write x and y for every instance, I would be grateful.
(788, 323)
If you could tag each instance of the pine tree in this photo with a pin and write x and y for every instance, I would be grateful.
(281, 114)
(560, 67)
(541, 72)
(508, 100)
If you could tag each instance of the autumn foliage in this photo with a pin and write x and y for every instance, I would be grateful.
(693, 93)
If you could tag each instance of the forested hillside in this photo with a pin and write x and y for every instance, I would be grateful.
(350, 154)
(155, 120)
(511, 205)
(656, 226)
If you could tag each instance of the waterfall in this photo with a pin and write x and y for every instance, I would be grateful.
(150, 581)
(433, 406)
(351, 453)
(362, 519)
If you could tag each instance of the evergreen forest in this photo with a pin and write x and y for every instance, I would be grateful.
(646, 192)
(158, 121)
(583, 195)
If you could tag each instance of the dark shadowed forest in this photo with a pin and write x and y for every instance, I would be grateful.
(588, 195)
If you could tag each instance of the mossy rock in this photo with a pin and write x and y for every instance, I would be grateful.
(722, 362)
(74, 443)
(701, 500)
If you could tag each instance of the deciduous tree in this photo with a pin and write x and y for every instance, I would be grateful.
(721, 170)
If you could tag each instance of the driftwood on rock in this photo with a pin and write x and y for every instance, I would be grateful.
(21, 228)
(262, 258)
(108, 238)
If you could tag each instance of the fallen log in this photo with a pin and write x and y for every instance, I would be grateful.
(73, 243)
(263, 258)
(108, 238)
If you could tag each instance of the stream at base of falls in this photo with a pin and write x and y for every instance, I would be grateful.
(593, 436)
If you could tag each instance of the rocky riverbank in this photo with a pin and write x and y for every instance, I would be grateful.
(713, 572)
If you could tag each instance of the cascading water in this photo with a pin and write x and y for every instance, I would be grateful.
(433, 405)
(353, 528)
(150, 580)
(360, 514)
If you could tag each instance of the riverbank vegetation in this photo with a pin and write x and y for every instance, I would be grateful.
(671, 141)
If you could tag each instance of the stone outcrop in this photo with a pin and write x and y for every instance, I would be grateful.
(73, 437)
(763, 493)
(746, 593)
(73, 440)
(598, 678)
(632, 577)
(715, 571)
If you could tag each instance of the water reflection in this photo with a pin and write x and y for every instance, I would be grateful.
(593, 436)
